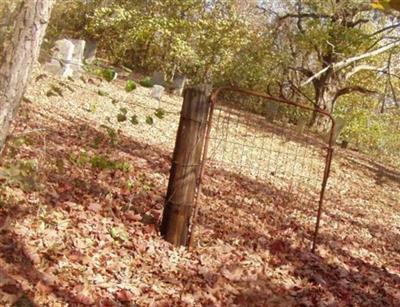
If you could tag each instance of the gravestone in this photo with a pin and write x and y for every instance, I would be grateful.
(90, 51)
(62, 55)
(179, 84)
(271, 111)
(158, 78)
(157, 92)
(67, 58)
(340, 123)
(78, 55)
(301, 125)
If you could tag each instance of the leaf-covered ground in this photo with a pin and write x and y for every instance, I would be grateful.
(81, 199)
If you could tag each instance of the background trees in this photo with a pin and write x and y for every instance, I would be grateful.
(340, 56)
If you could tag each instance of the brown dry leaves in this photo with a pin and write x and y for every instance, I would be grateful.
(87, 236)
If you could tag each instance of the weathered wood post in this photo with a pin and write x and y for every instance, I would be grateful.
(185, 166)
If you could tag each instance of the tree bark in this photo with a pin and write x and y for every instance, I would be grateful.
(20, 52)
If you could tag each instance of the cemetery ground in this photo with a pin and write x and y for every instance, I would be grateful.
(80, 210)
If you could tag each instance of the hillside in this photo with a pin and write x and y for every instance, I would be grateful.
(83, 204)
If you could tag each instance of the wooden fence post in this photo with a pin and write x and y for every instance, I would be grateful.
(185, 166)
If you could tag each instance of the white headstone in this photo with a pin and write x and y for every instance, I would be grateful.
(62, 55)
(157, 92)
(67, 58)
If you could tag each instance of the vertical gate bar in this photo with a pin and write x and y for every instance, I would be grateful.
(327, 171)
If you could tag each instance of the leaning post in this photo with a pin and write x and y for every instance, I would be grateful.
(185, 168)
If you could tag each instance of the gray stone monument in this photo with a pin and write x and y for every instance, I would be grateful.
(340, 123)
(179, 84)
(90, 51)
(77, 56)
(271, 111)
(158, 78)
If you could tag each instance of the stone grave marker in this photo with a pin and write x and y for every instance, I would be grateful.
(158, 78)
(271, 111)
(62, 55)
(157, 92)
(179, 84)
(78, 55)
(340, 123)
(90, 51)
(67, 58)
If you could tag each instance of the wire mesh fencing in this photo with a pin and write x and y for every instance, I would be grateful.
(272, 141)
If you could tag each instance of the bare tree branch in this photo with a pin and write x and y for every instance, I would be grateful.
(342, 64)
(359, 68)
(352, 89)
(304, 15)
(396, 25)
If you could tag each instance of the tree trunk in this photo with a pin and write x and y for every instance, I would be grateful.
(21, 50)
(325, 99)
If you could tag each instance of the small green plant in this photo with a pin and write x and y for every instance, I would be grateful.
(112, 134)
(104, 163)
(22, 174)
(121, 117)
(101, 162)
(149, 120)
(130, 86)
(92, 108)
(146, 82)
(79, 159)
(134, 120)
(102, 93)
(109, 74)
(159, 113)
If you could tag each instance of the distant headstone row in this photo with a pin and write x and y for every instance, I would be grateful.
(68, 56)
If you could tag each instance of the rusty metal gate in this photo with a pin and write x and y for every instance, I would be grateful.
(271, 141)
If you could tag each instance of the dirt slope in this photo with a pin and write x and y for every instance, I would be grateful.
(82, 195)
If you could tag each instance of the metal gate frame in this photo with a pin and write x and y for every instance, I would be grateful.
(328, 158)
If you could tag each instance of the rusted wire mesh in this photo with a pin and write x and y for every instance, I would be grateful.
(272, 142)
